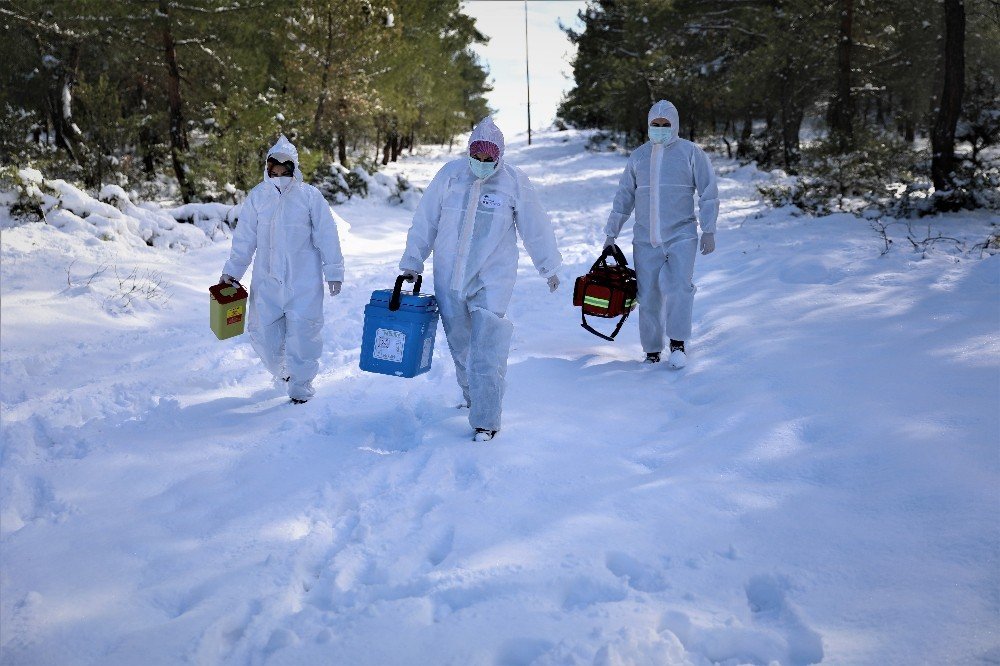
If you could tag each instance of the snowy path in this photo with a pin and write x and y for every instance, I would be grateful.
(820, 484)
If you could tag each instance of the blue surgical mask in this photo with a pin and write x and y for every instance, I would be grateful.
(481, 169)
(660, 134)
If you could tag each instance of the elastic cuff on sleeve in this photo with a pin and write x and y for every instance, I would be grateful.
(549, 272)
(614, 225)
(228, 269)
(411, 266)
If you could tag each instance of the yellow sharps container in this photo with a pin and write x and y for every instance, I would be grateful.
(227, 310)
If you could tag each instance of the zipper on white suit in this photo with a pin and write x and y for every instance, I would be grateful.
(465, 239)
(274, 215)
(655, 161)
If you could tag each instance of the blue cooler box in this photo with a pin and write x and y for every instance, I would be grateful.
(399, 331)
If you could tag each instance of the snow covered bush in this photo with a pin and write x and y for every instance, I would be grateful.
(884, 174)
(112, 216)
(20, 192)
(980, 122)
(764, 147)
(215, 219)
(600, 142)
(338, 184)
(405, 193)
(880, 173)
(977, 185)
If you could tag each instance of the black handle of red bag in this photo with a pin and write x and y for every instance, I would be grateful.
(610, 251)
(397, 297)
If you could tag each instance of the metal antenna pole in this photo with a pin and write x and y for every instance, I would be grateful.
(527, 72)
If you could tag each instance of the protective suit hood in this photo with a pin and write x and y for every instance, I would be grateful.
(664, 109)
(487, 130)
(284, 150)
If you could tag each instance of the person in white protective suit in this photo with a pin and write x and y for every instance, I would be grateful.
(470, 217)
(659, 183)
(288, 224)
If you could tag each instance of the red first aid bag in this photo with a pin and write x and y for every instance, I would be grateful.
(608, 290)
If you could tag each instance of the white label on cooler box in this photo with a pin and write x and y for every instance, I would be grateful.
(389, 345)
(425, 358)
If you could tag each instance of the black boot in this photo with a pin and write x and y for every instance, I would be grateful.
(652, 357)
(484, 435)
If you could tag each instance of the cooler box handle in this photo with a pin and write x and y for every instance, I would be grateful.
(397, 296)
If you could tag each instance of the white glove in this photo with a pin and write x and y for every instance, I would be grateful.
(412, 274)
(228, 279)
(334, 287)
(553, 281)
(707, 243)
(609, 241)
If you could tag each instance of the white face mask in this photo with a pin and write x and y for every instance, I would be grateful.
(660, 134)
(481, 169)
(283, 181)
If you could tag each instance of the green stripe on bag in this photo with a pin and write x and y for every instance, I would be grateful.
(596, 302)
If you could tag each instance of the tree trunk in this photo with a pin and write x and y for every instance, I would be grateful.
(386, 150)
(791, 118)
(743, 147)
(59, 103)
(396, 143)
(943, 134)
(146, 142)
(68, 75)
(327, 62)
(178, 134)
(342, 147)
(791, 121)
(52, 102)
(841, 116)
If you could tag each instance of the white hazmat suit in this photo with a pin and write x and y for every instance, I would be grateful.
(471, 225)
(659, 183)
(293, 233)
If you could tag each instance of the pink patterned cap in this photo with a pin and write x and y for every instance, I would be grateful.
(487, 147)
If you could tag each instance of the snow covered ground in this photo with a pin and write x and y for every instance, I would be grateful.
(820, 484)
